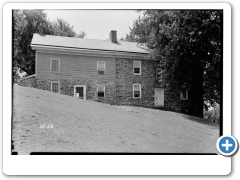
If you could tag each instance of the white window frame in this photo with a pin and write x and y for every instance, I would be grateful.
(58, 85)
(181, 94)
(104, 67)
(140, 68)
(140, 91)
(103, 88)
(58, 65)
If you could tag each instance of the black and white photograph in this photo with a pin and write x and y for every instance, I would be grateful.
(117, 81)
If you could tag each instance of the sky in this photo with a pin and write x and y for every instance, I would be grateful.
(97, 23)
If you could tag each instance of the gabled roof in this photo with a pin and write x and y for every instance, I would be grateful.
(79, 43)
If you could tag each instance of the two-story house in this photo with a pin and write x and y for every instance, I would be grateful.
(109, 71)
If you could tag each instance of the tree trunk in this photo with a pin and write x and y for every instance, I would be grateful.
(196, 93)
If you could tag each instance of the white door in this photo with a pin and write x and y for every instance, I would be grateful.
(159, 97)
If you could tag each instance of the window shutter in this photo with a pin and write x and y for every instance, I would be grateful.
(55, 65)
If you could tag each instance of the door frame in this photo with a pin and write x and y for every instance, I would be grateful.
(84, 91)
(155, 98)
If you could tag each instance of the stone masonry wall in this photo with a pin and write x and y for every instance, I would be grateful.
(126, 79)
(30, 82)
(120, 92)
(172, 99)
(67, 87)
(148, 81)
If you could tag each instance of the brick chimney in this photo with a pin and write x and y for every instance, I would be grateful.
(40, 29)
(113, 36)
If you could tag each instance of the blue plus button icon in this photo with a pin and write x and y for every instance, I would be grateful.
(227, 145)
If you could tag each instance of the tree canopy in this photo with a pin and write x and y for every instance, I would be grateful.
(60, 27)
(25, 24)
(81, 34)
(188, 46)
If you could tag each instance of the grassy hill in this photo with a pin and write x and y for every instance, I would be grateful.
(46, 121)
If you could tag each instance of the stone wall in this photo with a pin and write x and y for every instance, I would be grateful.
(120, 92)
(30, 82)
(125, 80)
(43, 84)
(172, 99)
(67, 87)
(148, 81)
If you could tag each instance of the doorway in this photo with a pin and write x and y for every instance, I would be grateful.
(80, 91)
(159, 97)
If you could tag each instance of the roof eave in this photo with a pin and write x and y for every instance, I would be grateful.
(90, 52)
(27, 77)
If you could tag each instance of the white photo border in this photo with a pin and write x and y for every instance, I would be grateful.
(113, 164)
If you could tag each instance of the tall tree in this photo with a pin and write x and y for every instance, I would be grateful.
(81, 34)
(25, 24)
(188, 46)
(60, 27)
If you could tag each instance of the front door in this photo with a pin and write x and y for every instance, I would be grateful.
(159, 97)
(80, 91)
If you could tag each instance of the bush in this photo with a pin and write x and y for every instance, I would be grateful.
(213, 113)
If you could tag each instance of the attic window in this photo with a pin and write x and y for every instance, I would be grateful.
(136, 67)
(55, 65)
(101, 67)
(183, 93)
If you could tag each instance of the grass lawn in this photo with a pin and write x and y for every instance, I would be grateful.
(87, 126)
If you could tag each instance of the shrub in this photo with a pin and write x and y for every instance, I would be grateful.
(213, 113)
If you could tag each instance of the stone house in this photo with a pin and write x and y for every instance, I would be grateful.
(108, 71)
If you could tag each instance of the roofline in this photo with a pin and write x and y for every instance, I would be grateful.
(87, 48)
(33, 75)
(90, 52)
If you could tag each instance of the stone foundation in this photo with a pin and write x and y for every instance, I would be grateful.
(67, 87)
(30, 82)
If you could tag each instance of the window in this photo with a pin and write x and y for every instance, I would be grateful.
(137, 90)
(55, 87)
(55, 65)
(101, 90)
(183, 93)
(101, 67)
(136, 67)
